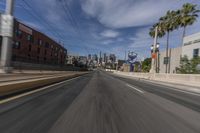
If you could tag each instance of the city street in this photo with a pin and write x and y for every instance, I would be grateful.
(101, 102)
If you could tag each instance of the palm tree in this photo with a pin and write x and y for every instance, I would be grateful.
(187, 16)
(161, 32)
(170, 23)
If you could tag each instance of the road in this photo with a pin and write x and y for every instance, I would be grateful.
(100, 102)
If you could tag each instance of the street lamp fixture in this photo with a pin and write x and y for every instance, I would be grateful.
(158, 45)
(151, 47)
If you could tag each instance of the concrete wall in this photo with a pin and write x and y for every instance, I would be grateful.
(187, 79)
(175, 55)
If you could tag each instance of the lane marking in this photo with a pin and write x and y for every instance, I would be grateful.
(135, 88)
(163, 86)
(172, 88)
(35, 91)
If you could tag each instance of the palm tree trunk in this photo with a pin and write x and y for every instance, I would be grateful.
(167, 53)
(184, 31)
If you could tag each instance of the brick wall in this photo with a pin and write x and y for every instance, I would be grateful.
(33, 46)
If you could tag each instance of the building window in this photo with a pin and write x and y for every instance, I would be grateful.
(30, 38)
(197, 41)
(38, 50)
(39, 41)
(16, 45)
(46, 45)
(195, 53)
(188, 43)
(18, 33)
(29, 48)
(45, 52)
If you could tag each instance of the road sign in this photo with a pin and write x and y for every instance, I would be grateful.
(166, 60)
(6, 25)
(154, 55)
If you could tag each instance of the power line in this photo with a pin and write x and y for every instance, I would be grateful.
(40, 19)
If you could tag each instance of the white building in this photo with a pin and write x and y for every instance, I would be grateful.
(71, 57)
(191, 46)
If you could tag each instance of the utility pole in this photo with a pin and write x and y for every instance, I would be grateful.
(7, 33)
(125, 55)
(154, 51)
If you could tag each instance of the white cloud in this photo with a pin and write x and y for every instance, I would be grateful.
(106, 42)
(127, 13)
(109, 33)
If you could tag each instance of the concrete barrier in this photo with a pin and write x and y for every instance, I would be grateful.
(20, 86)
(185, 79)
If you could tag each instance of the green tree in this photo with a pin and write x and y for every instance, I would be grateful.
(146, 65)
(194, 62)
(161, 32)
(189, 66)
(187, 16)
(185, 66)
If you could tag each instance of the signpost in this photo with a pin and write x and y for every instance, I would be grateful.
(6, 25)
(166, 60)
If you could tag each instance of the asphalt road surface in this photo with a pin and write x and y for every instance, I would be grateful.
(100, 102)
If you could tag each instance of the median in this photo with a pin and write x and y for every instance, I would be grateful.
(20, 86)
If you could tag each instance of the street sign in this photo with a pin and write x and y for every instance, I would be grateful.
(166, 60)
(153, 55)
(6, 25)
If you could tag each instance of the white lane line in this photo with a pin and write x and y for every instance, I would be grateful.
(174, 88)
(34, 91)
(135, 88)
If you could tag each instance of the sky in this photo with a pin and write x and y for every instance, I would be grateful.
(110, 26)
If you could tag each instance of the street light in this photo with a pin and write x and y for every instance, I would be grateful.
(157, 48)
(151, 48)
(157, 58)
(154, 51)
(158, 45)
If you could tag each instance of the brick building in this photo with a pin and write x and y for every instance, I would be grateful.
(33, 46)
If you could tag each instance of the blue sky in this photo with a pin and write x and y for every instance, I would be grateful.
(110, 26)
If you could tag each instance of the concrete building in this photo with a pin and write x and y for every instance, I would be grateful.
(105, 58)
(95, 57)
(83, 60)
(112, 58)
(89, 57)
(191, 46)
(71, 58)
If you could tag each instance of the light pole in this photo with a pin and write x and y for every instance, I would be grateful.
(153, 56)
(7, 33)
(157, 58)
